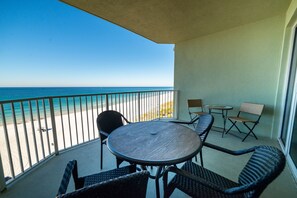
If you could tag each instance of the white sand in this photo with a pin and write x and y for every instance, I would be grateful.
(78, 127)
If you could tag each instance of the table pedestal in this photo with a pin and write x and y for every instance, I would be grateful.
(220, 109)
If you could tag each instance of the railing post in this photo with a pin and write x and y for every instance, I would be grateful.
(138, 106)
(54, 128)
(159, 105)
(2, 179)
(107, 105)
(175, 100)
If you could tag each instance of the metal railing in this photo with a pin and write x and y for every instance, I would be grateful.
(32, 130)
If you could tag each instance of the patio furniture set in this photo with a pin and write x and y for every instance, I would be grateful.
(249, 115)
(164, 145)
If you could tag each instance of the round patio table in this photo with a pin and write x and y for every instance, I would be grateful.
(154, 143)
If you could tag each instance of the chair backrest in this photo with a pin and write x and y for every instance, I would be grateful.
(251, 108)
(194, 103)
(131, 185)
(71, 169)
(204, 125)
(263, 167)
(108, 121)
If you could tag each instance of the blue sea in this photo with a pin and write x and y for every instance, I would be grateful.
(14, 93)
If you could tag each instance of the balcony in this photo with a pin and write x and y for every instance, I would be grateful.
(64, 129)
(44, 180)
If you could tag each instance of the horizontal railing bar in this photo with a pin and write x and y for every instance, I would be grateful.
(34, 167)
(80, 95)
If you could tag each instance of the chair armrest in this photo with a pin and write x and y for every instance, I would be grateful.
(126, 120)
(204, 182)
(190, 176)
(224, 150)
(183, 122)
(104, 133)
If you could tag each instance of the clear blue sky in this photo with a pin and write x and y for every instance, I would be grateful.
(49, 43)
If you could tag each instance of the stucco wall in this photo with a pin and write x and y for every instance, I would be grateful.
(230, 67)
(291, 20)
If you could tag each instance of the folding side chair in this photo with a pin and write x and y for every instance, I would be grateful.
(252, 114)
(195, 109)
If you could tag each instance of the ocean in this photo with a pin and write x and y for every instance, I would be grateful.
(15, 93)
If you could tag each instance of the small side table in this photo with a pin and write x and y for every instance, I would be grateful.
(220, 109)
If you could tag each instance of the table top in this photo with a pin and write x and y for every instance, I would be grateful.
(219, 107)
(154, 143)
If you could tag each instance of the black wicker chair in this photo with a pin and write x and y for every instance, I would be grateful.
(107, 121)
(265, 164)
(203, 127)
(113, 183)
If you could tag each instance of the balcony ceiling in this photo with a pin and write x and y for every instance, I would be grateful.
(172, 21)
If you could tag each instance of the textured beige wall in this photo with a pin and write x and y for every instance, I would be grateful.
(230, 67)
(282, 85)
(291, 20)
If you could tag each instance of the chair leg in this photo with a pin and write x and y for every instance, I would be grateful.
(238, 128)
(119, 161)
(233, 124)
(192, 118)
(201, 159)
(165, 185)
(168, 187)
(101, 156)
(250, 131)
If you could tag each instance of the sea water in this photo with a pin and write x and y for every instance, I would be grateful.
(14, 93)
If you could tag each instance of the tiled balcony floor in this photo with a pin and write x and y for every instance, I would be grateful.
(44, 180)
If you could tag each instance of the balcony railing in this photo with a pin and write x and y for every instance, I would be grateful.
(33, 130)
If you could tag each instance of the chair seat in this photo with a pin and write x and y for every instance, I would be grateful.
(241, 119)
(126, 185)
(199, 113)
(193, 188)
(111, 174)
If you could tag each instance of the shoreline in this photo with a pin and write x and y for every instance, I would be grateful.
(96, 104)
(78, 127)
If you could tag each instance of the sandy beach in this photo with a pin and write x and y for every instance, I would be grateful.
(72, 129)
